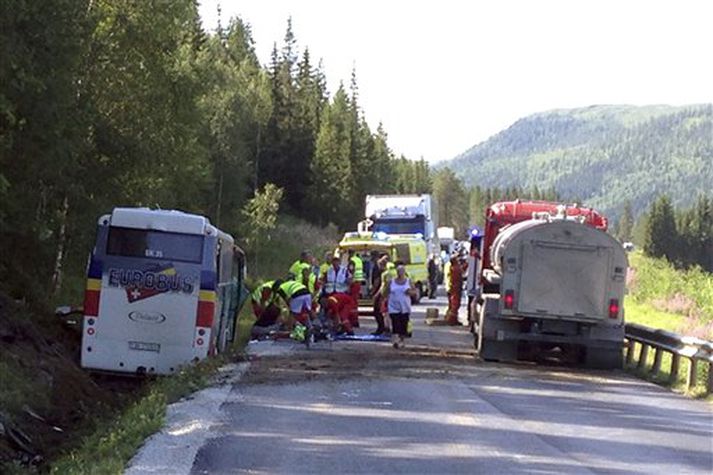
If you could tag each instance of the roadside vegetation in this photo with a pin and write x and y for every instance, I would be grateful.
(662, 296)
(115, 440)
(679, 301)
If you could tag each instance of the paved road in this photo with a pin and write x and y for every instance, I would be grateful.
(366, 408)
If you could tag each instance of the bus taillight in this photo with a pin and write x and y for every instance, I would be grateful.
(91, 297)
(206, 309)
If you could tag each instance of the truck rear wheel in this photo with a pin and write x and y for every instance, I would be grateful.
(603, 358)
(487, 345)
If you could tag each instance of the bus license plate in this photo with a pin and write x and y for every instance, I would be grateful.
(143, 346)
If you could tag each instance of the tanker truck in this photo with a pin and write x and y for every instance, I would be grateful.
(553, 286)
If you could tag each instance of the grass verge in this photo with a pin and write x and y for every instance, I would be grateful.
(663, 376)
(115, 441)
(645, 314)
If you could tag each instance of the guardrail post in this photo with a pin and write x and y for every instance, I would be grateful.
(692, 379)
(675, 365)
(630, 344)
(643, 355)
(657, 361)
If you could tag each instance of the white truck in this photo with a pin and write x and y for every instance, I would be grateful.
(560, 293)
(404, 215)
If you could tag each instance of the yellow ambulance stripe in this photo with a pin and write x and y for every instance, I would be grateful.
(94, 284)
(206, 296)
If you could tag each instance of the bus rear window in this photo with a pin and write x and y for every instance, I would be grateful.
(147, 244)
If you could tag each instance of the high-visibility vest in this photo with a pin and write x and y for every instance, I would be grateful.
(358, 268)
(324, 268)
(388, 274)
(291, 287)
(447, 275)
(336, 280)
(258, 294)
(296, 268)
(312, 283)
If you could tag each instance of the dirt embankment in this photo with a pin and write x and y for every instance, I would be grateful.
(46, 401)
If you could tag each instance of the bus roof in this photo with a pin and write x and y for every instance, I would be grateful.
(160, 220)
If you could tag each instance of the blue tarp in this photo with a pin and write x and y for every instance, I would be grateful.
(367, 337)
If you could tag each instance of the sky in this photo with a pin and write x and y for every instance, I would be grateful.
(445, 75)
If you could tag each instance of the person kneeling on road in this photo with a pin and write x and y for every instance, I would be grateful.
(399, 291)
(299, 300)
(340, 309)
(266, 308)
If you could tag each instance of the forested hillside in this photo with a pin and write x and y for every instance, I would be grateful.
(601, 155)
(108, 103)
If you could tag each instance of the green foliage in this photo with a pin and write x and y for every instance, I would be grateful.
(260, 214)
(661, 234)
(123, 103)
(684, 237)
(657, 281)
(115, 441)
(452, 201)
(605, 155)
(625, 226)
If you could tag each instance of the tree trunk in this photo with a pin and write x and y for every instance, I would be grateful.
(61, 247)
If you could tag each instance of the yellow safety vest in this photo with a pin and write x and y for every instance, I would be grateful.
(358, 268)
(447, 275)
(257, 293)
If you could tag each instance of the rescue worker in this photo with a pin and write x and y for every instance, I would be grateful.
(308, 279)
(324, 267)
(357, 274)
(454, 288)
(336, 279)
(340, 308)
(432, 276)
(266, 308)
(386, 270)
(305, 260)
(298, 299)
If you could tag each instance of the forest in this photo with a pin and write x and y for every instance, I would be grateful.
(601, 155)
(110, 103)
(107, 103)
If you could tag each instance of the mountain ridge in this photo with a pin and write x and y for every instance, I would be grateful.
(602, 155)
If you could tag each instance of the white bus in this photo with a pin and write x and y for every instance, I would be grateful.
(163, 289)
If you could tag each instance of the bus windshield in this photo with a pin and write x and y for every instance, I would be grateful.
(144, 243)
(401, 226)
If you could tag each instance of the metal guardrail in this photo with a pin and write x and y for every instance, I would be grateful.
(662, 341)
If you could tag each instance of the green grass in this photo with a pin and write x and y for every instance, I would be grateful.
(665, 298)
(287, 240)
(116, 440)
(657, 282)
(645, 314)
(662, 378)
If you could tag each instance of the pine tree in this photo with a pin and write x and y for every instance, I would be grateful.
(661, 238)
(330, 191)
(626, 223)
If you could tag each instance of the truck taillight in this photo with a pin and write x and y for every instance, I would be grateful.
(614, 308)
(509, 299)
